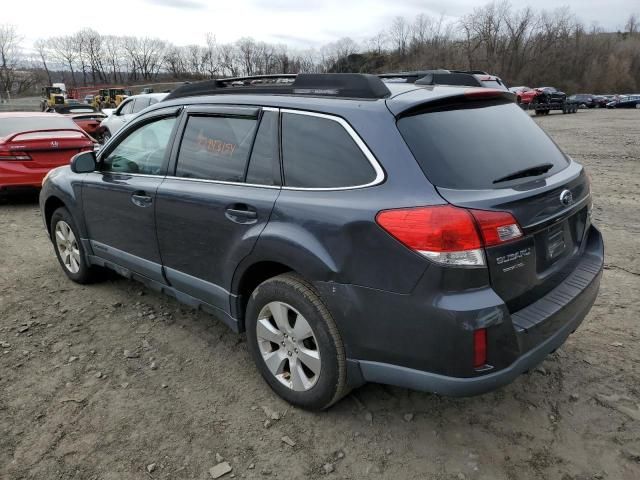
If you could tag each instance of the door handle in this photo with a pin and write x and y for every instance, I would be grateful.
(141, 199)
(241, 213)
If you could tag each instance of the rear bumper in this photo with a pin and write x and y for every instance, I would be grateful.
(17, 174)
(521, 340)
(571, 316)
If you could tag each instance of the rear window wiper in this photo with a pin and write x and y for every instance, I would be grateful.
(527, 172)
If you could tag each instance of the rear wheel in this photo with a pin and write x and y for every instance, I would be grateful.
(68, 247)
(295, 343)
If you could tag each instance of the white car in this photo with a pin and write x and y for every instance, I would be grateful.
(126, 111)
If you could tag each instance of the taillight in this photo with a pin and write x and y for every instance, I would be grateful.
(14, 156)
(496, 227)
(449, 235)
(479, 348)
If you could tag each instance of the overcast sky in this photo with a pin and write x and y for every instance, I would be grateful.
(298, 23)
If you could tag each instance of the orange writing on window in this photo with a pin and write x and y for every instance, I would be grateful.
(216, 146)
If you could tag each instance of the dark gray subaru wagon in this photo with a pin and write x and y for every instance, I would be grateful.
(431, 237)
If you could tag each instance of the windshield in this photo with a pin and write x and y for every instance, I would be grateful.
(11, 125)
(471, 146)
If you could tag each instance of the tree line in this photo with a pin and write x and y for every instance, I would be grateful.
(523, 46)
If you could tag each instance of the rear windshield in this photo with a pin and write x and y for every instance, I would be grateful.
(11, 125)
(472, 146)
(493, 84)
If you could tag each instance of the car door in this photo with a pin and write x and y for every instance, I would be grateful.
(119, 199)
(218, 198)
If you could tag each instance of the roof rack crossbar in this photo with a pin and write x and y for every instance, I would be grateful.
(339, 85)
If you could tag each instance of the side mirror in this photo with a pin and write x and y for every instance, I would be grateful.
(84, 162)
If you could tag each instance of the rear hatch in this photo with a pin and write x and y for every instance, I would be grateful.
(487, 154)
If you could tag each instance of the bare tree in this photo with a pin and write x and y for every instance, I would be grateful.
(113, 53)
(42, 50)
(9, 58)
(399, 34)
(632, 24)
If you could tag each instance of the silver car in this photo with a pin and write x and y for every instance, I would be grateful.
(126, 111)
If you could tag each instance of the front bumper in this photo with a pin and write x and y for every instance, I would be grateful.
(521, 340)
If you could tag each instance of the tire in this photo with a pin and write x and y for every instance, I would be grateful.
(74, 263)
(272, 307)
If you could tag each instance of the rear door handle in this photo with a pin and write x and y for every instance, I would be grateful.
(241, 213)
(141, 199)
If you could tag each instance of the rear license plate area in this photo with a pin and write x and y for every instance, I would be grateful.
(556, 243)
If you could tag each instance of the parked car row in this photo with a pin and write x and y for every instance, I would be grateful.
(625, 101)
(544, 99)
(528, 97)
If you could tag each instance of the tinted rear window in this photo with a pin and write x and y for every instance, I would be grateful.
(11, 125)
(319, 153)
(469, 148)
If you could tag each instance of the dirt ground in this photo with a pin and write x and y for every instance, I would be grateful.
(73, 406)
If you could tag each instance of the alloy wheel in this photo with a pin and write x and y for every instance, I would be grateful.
(67, 246)
(288, 346)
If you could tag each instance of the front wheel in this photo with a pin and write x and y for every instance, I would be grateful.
(69, 250)
(295, 343)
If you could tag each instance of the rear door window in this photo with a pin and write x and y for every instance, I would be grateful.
(127, 108)
(264, 166)
(216, 148)
(472, 147)
(141, 104)
(318, 152)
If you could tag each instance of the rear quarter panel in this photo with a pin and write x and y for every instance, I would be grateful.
(332, 235)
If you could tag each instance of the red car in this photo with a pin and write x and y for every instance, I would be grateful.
(85, 116)
(32, 143)
(524, 95)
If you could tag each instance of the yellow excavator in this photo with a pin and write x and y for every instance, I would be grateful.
(110, 97)
(51, 96)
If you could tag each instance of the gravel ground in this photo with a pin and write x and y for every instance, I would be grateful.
(73, 406)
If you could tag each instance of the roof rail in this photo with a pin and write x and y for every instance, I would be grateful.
(436, 77)
(339, 85)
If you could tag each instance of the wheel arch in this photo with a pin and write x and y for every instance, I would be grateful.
(51, 205)
(247, 278)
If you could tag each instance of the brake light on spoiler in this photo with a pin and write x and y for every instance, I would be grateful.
(449, 235)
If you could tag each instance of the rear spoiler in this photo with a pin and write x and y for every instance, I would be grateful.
(11, 136)
(460, 97)
(87, 116)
